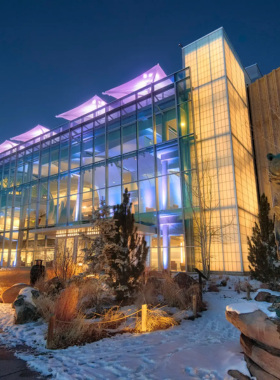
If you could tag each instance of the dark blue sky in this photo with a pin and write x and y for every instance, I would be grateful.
(56, 54)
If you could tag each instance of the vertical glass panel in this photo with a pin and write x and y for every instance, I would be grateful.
(133, 191)
(45, 165)
(86, 209)
(5, 182)
(35, 169)
(145, 124)
(54, 162)
(52, 212)
(114, 195)
(183, 90)
(42, 213)
(62, 210)
(74, 204)
(99, 148)
(53, 189)
(114, 172)
(64, 159)
(75, 156)
(98, 195)
(87, 180)
(99, 175)
(187, 153)
(129, 138)
(114, 143)
(128, 114)
(87, 152)
(145, 132)
(185, 122)
(113, 120)
(167, 158)
(20, 173)
(147, 198)
(166, 126)
(165, 98)
(146, 166)
(130, 168)
(169, 192)
(43, 189)
(63, 186)
(75, 182)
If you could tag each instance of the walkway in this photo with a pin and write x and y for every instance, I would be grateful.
(12, 368)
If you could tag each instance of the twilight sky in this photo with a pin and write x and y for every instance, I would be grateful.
(56, 54)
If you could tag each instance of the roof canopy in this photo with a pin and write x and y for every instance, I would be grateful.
(6, 145)
(91, 105)
(154, 74)
(34, 132)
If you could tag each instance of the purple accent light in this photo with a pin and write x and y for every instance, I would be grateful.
(91, 105)
(153, 75)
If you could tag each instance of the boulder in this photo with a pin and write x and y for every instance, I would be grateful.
(257, 326)
(184, 280)
(268, 361)
(265, 297)
(25, 308)
(11, 294)
(257, 372)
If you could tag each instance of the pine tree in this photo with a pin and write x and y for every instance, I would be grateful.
(118, 252)
(127, 260)
(96, 254)
(262, 248)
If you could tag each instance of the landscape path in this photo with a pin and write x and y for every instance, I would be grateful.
(12, 368)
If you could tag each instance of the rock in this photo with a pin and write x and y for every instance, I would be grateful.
(257, 372)
(184, 280)
(54, 285)
(11, 294)
(276, 305)
(265, 297)
(257, 326)
(238, 375)
(266, 360)
(223, 283)
(25, 309)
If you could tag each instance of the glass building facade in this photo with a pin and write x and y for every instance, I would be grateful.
(154, 142)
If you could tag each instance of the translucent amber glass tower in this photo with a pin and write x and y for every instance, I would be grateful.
(223, 140)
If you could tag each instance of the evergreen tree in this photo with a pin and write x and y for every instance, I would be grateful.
(118, 251)
(127, 259)
(262, 248)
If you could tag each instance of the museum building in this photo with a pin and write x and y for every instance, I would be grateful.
(182, 145)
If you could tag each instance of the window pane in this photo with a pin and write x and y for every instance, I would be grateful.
(45, 166)
(87, 152)
(169, 192)
(54, 162)
(129, 138)
(147, 199)
(63, 185)
(114, 172)
(185, 119)
(114, 143)
(128, 114)
(130, 168)
(75, 182)
(183, 90)
(87, 180)
(98, 195)
(145, 132)
(165, 99)
(166, 126)
(75, 156)
(187, 153)
(52, 211)
(114, 196)
(64, 159)
(133, 191)
(167, 159)
(99, 148)
(146, 164)
(99, 175)
(62, 210)
(53, 192)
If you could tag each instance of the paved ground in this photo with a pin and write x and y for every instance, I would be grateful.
(12, 368)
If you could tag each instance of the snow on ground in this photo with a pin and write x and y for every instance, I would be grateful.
(202, 349)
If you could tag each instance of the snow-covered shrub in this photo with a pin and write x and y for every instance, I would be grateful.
(93, 293)
(157, 319)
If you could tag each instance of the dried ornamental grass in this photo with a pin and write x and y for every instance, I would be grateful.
(113, 318)
(156, 320)
(173, 295)
(148, 294)
(45, 306)
(66, 304)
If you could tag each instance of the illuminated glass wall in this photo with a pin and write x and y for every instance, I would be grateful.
(223, 148)
(50, 186)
